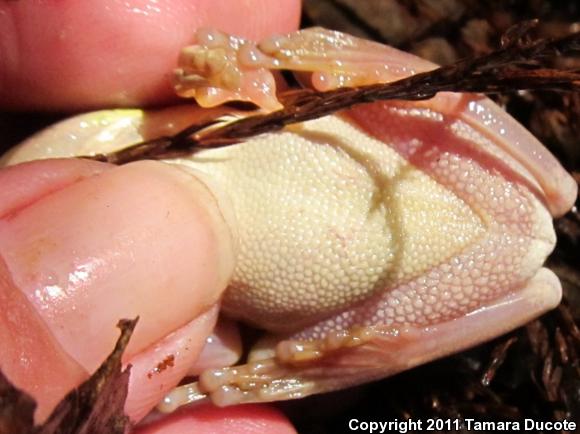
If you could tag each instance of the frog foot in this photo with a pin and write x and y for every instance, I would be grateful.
(295, 370)
(220, 68)
(298, 368)
(337, 59)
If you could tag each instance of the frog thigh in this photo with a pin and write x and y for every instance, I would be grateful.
(300, 369)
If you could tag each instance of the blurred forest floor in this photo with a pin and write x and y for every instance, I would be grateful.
(534, 372)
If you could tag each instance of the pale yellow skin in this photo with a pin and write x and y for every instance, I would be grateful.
(371, 241)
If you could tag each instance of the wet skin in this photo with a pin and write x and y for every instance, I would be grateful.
(381, 238)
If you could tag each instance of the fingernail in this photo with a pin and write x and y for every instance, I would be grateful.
(24, 184)
(145, 239)
(30, 357)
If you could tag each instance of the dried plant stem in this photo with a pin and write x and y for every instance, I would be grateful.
(518, 65)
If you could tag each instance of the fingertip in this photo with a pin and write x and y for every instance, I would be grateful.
(242, 419)
(97, 243)
(25, 183)
(146, 235)
(85, 54)
(160, 367)
(261, 17)
(30, 355)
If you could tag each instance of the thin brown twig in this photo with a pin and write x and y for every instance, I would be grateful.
(518, 65)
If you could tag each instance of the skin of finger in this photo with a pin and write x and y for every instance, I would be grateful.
(25, 183)
(159, 368)
(145, 239)
(31, 354)
(75, 54)
(242, 419)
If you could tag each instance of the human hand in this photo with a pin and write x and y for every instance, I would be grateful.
(84, 244)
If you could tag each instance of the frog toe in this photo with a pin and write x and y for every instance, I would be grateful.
(295, 369)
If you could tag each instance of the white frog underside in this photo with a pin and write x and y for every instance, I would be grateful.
(367, 263)
(397, 232)
(357, 226)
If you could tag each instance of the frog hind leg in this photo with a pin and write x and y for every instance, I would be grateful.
(220, 68)
(289, 369)
(337, 59)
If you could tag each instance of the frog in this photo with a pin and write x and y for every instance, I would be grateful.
(369, 241)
